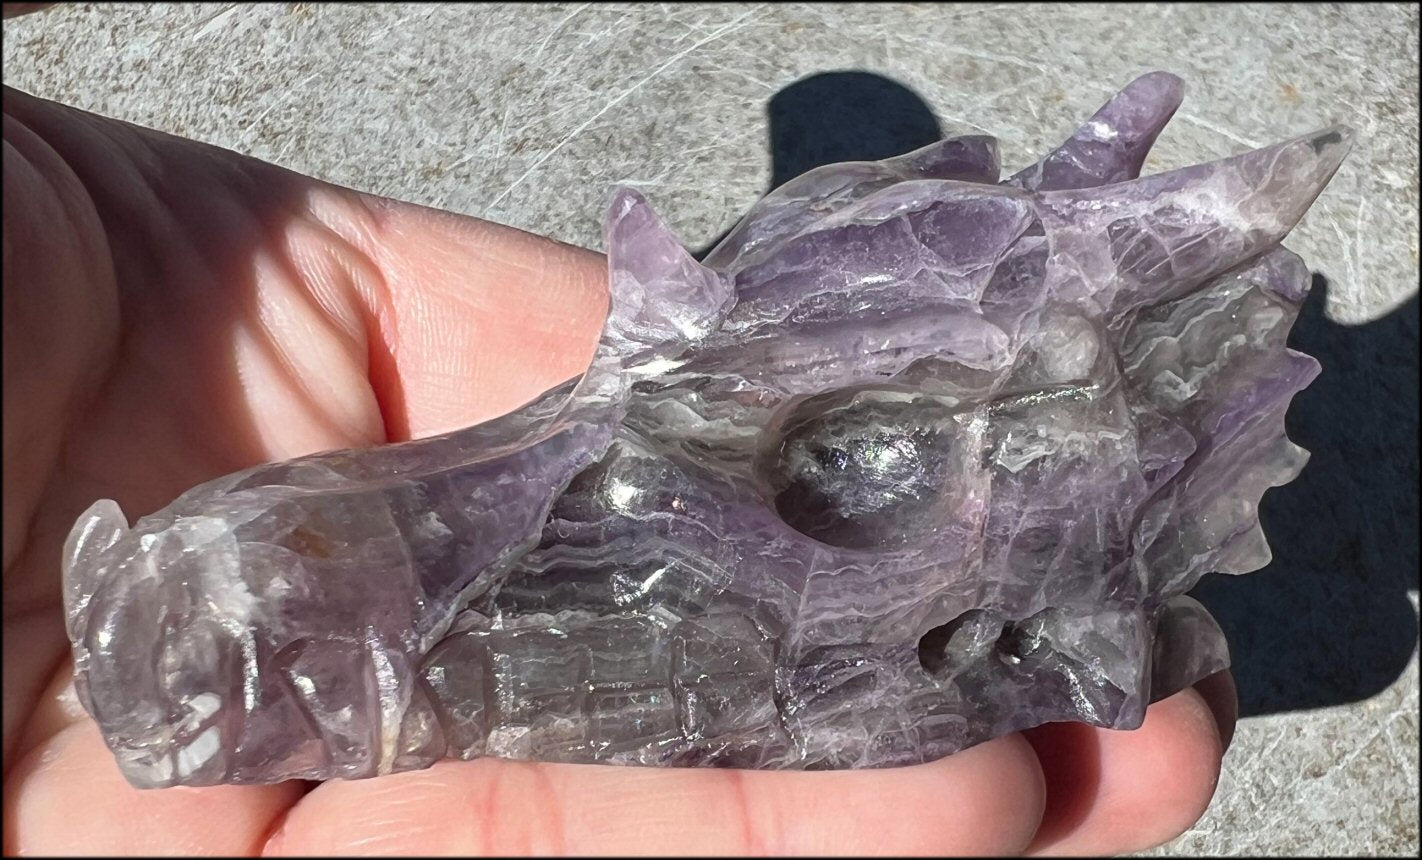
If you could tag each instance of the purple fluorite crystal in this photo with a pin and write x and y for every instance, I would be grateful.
(916, 458)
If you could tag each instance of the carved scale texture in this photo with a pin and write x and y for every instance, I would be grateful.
(914, 459)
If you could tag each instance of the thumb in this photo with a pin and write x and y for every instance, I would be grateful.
(471, 319)
(453, 319)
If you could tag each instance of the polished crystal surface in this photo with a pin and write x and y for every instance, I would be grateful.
(916, 457)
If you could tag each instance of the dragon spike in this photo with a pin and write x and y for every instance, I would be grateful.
(1112, 145)
(970, 158)
(1152, 239)
(809, 197)
(660, 293)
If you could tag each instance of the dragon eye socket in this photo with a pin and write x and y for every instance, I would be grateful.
(877, 471)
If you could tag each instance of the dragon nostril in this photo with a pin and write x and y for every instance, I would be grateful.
(944, 651)
(1017, 643)
(947, 648)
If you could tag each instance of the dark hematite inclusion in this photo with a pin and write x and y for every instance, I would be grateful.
(866, 474)
(915, 459)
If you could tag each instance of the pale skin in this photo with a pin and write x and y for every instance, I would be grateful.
(174, 311)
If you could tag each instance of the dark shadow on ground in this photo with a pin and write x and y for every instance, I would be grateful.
(844, 116)
(841, 116)
(1328, 621)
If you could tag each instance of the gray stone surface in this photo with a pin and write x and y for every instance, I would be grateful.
(529, 115)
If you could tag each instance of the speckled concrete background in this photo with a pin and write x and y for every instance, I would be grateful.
(530, 114)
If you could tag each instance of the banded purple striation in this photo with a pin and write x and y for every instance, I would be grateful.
(914, 459)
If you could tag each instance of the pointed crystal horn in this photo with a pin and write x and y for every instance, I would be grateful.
(1112, 145)
(660, 294)
(970, 158)
(1152, 239)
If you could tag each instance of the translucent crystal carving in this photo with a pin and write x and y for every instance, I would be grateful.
(915, 458)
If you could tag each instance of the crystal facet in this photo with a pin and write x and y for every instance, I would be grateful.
(915, 458)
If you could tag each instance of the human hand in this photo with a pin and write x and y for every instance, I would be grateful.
(174, 312)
